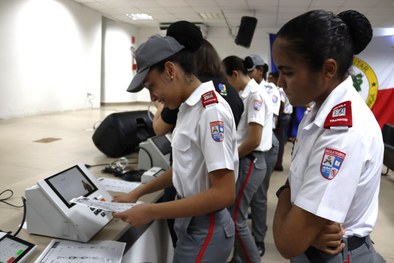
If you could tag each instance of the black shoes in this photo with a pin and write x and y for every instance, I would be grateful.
(260, 248)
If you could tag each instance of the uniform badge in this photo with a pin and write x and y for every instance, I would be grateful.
(209, 98)
(331, 163)
(274, 99)
(223, 89)
(217, 130)
(340, 115)
(257, 105)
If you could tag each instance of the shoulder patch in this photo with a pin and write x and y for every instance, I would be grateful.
(257, 105)
(331, 163)
(340, 115)
(217, 130)
(209, 98)
(222, 89)
(275, 99)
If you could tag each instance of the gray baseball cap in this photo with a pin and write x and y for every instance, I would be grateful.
(154, 50)
(257, 61)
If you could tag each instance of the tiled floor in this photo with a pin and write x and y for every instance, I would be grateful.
(22, 157)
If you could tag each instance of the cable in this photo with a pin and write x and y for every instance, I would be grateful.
(24, 216)
(95, 165)
(114, 163)
(3, 200)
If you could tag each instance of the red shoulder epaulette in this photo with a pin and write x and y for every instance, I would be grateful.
(209, 98)
(340, 115)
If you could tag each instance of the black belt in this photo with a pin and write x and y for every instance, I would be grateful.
(354, 242)
(315, 255)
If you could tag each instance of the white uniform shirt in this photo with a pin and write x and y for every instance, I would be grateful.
(287, 107)
(257, 109)
(204, 140)
(335, 171)
(274, 93)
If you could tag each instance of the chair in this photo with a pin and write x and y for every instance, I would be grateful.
(388, 139)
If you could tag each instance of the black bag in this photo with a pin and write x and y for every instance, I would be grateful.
(120, 133)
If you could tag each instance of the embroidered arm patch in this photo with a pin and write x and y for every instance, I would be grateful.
(217, 130)
(331, 163)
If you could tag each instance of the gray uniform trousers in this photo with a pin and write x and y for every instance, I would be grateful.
(363, 254)
(207, 238)
(251, 175)
(259, 201)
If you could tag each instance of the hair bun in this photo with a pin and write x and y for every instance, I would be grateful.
(249, 64)
(186, 33)
(360, 29)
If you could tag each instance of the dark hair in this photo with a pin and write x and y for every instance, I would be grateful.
(208, 62)
(236, 63)
(274, 74)
(264, 69)
(319, 35)
(190, 36)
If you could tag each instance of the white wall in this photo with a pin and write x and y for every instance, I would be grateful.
(49, 57)
(117, 61)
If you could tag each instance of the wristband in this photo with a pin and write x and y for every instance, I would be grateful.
(280, 190)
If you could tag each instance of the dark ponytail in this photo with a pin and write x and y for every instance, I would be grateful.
(190, 36)
(186, 33)
(236, 63)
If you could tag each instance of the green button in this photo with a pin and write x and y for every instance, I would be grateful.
(20, 251)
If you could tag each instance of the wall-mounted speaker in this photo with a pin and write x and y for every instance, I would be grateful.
(246, 30)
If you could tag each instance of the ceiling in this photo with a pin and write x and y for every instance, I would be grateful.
(271, 14)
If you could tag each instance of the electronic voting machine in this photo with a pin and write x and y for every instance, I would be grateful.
(49, 211)
(155, 152)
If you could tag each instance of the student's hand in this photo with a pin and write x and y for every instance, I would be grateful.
(159, 106)
(136, 216)
(330, 239)
(131, 197)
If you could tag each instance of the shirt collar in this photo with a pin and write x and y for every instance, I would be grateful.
(336, 96)
(249, 88)
(195, 97)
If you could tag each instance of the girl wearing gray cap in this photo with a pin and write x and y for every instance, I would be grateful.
(204, 148)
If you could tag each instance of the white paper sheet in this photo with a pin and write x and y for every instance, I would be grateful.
(116, 185)
(65, 251)
(103, 205)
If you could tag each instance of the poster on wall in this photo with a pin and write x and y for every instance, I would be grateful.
(373, 77)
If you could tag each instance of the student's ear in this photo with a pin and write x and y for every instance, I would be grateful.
(169, 69)
(235, 73)
(329, 68)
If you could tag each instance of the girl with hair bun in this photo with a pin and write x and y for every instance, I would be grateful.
(337, 158)
(254, 138)
(204, 150)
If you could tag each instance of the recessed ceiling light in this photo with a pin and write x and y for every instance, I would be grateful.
(210, 15)
(139, 16)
